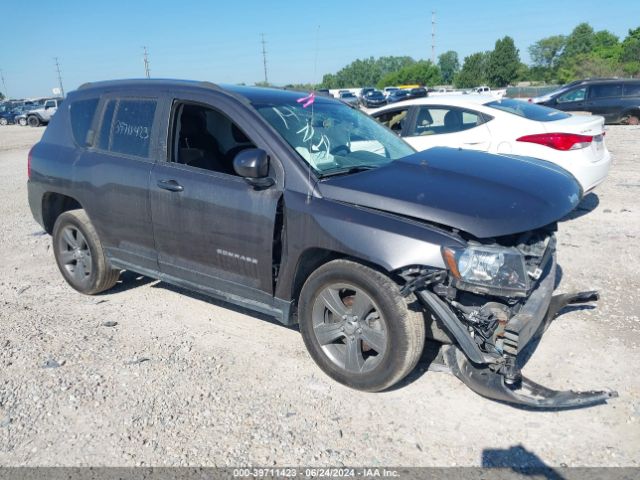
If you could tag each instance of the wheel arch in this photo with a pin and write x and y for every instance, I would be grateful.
(53, 205)
(314, 257)
(633, 111)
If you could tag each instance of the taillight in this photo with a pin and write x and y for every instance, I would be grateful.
(559, 141)
(29, 163)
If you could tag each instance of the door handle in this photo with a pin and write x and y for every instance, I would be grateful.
(170, 185)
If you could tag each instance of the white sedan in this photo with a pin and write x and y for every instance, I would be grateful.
(504, 126)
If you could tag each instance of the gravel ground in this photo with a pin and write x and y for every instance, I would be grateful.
(149, 374)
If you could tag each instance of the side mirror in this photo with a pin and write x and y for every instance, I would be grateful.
(253, 165)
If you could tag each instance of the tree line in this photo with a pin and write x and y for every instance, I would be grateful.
(555, 59)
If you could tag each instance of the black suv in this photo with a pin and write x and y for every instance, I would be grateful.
(618, 101)
(303, 208)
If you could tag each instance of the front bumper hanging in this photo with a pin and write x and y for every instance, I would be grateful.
(482, 373)
(489, 384)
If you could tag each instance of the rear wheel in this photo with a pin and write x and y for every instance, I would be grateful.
(33, 121)
(22, 122)
(3, 121)
(358, 328)
(79, 254)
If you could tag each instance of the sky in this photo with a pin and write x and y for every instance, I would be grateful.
(220, 41)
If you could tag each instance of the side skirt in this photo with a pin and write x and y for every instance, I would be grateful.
(277, 308)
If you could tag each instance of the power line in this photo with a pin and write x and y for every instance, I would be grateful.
(433, 36)
(146, 63)
(264, 58)
(59, 78)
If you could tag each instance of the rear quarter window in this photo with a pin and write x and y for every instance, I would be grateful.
(530, 111)
(81, 113)
(631, 90)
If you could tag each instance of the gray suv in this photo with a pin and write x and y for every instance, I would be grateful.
(303, 208)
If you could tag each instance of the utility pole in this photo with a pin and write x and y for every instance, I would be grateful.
(146, 63)
(433, 36)
(264, 58)
(59, 78)
(4, 86)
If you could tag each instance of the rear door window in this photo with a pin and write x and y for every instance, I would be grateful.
(132, 125)
(126, 126)
(82, 113)
(434, 120)
(605, 90)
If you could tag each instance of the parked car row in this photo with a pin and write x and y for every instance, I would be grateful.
(373, 247)
(29, 114)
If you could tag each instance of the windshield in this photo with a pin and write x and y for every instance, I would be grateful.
(528, 110)
(332, 137)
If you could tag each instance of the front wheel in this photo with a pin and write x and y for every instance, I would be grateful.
(22, 122)
(358, 328)
(79, 254)
(3, 121)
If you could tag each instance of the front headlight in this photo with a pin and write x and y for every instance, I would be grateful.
(495, 270)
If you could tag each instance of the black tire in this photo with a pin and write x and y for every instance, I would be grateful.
(33, 121)
(22, 122)
(400, 318)
(3, 121)
(85, 267)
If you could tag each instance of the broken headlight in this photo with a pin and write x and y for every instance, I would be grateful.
(487, 269)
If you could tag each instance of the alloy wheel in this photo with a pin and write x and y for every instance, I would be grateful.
(349, 328)
(74, 254)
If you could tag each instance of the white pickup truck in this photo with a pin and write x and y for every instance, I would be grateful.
(484, 90)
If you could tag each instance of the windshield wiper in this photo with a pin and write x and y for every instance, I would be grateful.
(348, 171)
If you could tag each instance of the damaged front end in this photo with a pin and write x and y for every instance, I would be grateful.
(494, 302)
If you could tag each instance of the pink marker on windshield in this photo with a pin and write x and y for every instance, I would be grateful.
(308, 100)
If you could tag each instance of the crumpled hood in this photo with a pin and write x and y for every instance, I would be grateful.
(483, 194)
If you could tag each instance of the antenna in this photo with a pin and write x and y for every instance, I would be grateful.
(315, 61)
(433, 36)
(59, 77)
(264, 58)
(4, 85)
(146, 63)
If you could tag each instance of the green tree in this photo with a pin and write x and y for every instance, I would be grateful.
(423, 73)
(365, 72)
(606, 46)
(581, 41)
(504, 63)
(474, 70)
(546, 52)
(631, 46)
(449, 66)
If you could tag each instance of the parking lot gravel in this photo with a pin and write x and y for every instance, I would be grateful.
(149, 374)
